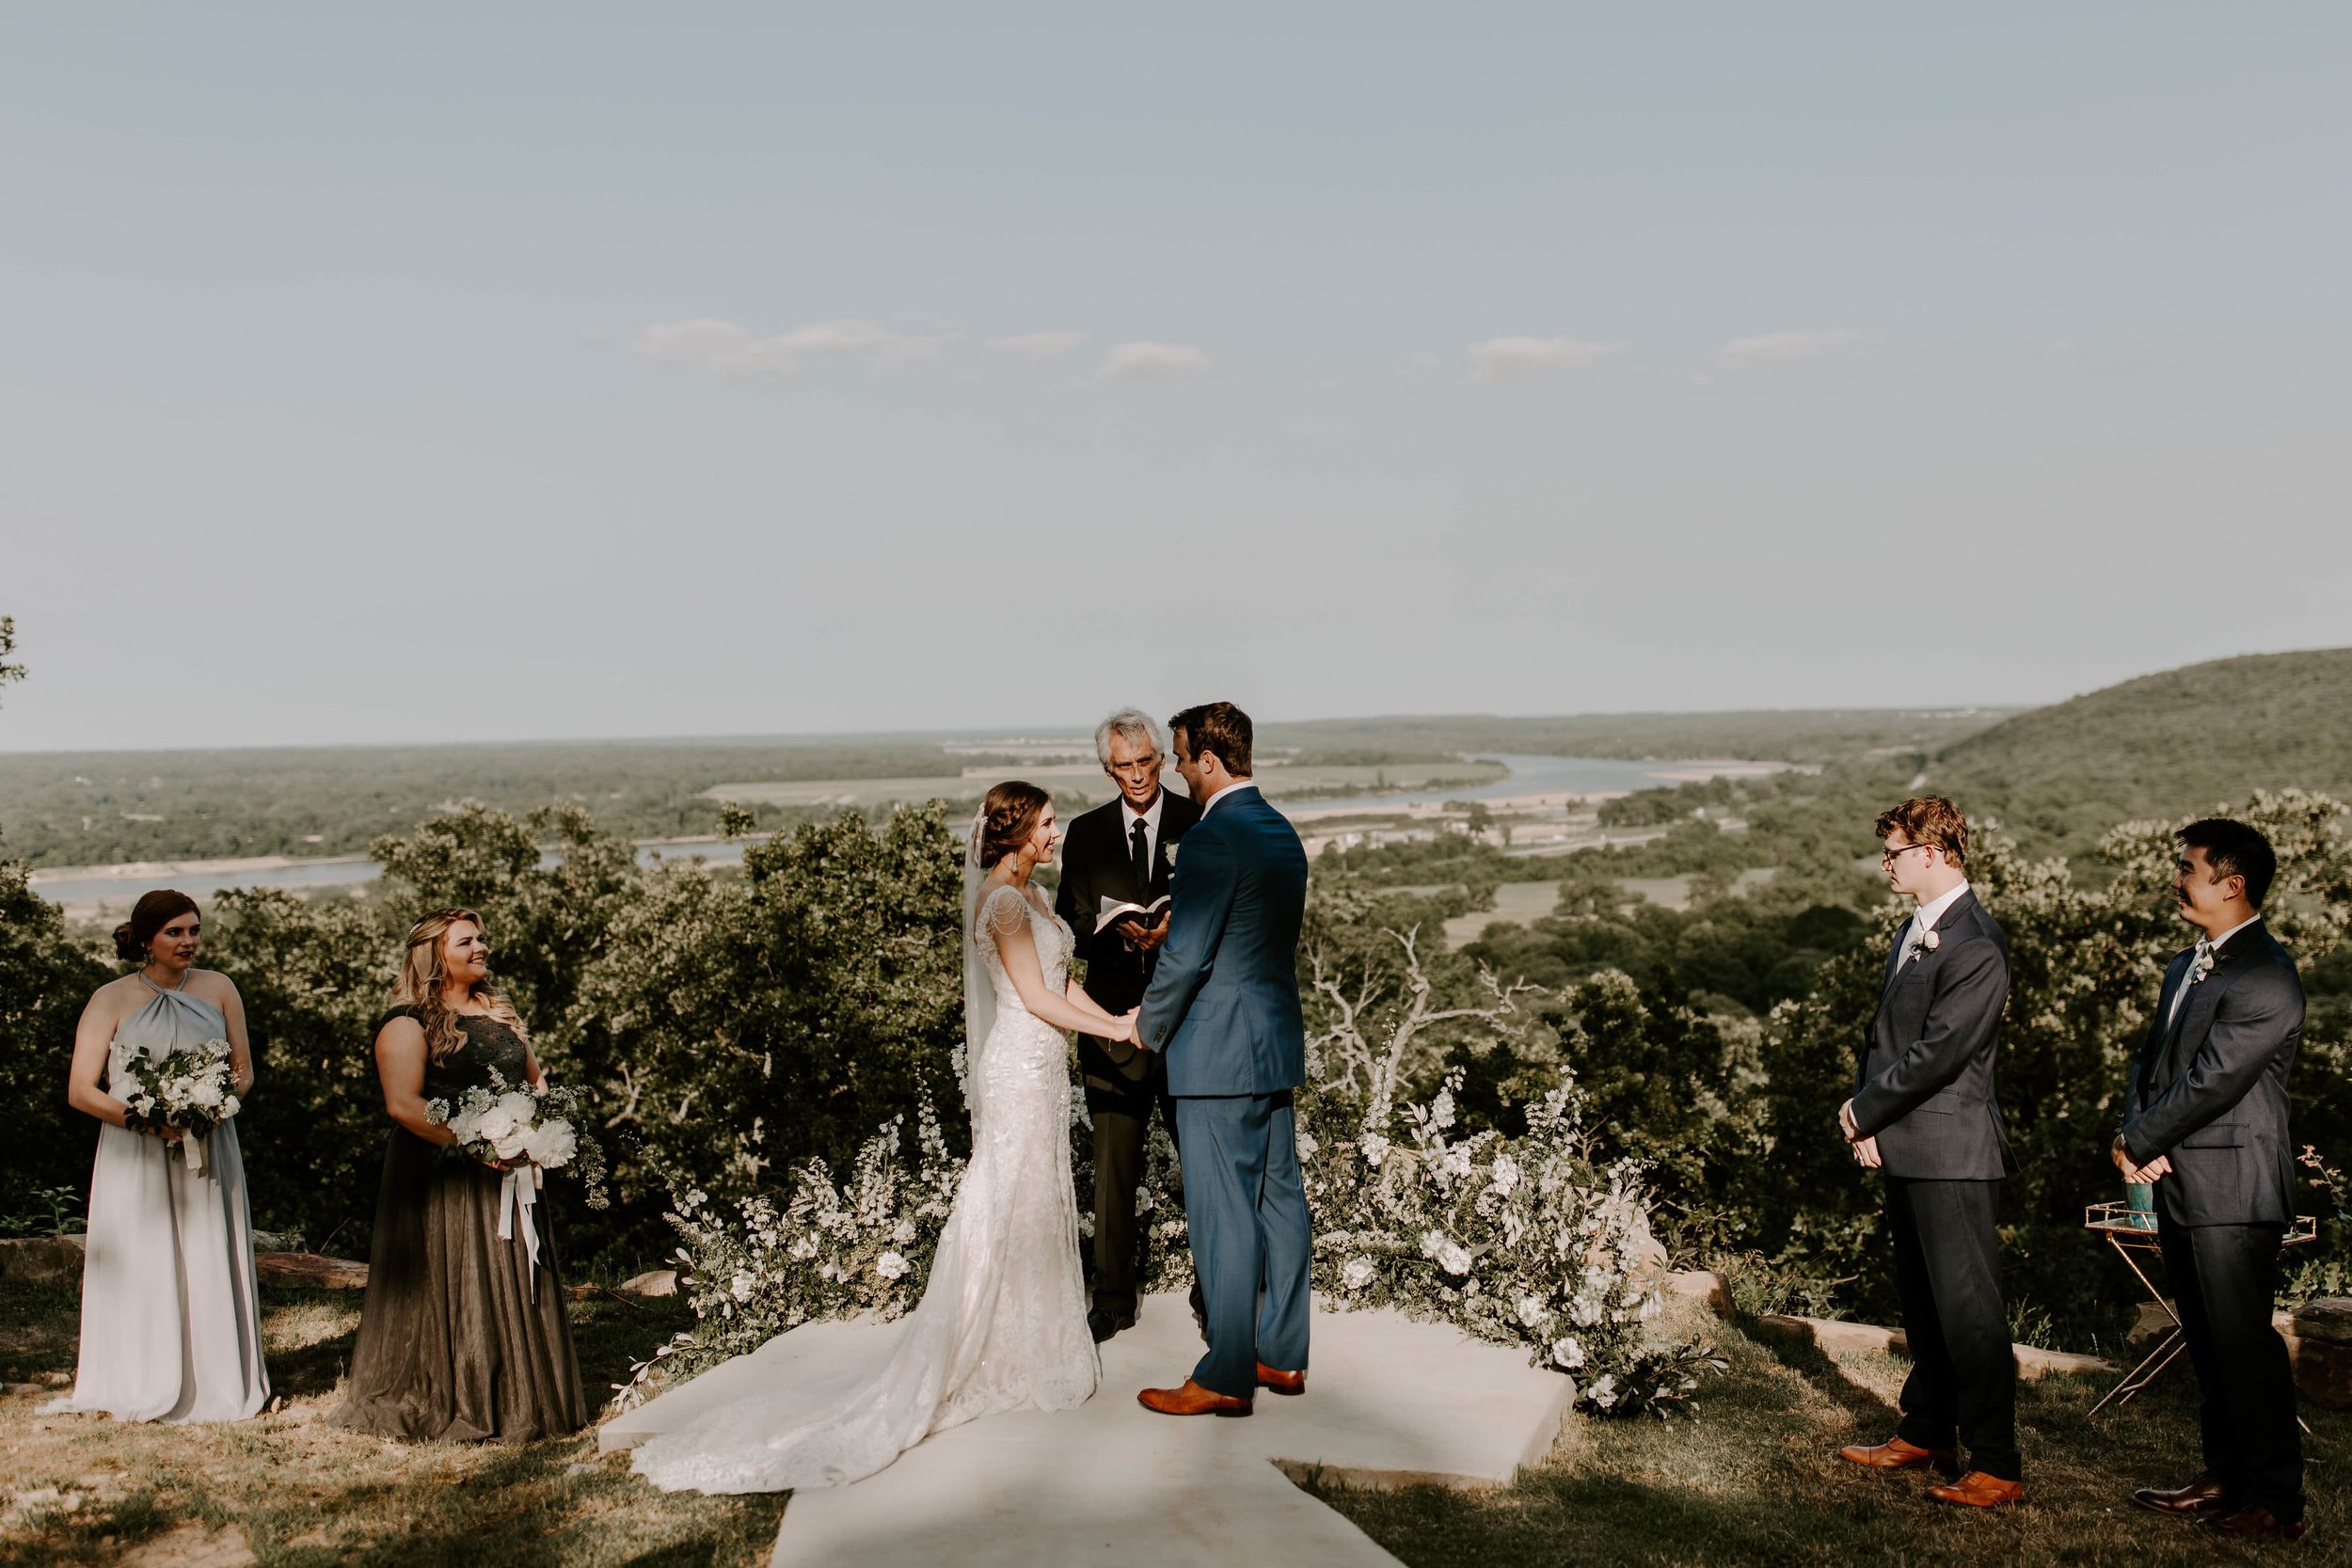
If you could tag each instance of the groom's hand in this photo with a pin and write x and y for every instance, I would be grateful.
(1846, 1123)
(1865, 1151)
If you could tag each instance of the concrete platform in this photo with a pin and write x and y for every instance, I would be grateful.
(1388, 1402)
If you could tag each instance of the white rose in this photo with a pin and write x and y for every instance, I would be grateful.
(1585, 1311)
(1604, 1390)
(890, 1265)
(1568, 1353)
(1533, 1311)
(230, 1107)
(1356, 1274)
(551, 1143)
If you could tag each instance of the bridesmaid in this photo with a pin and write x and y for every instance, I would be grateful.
(171, 1320)
(462, 1334)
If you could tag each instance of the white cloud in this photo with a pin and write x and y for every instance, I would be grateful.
(1771, 347)
(1501, 356)
(729, 349)
(1134, 361)
(1039, 345)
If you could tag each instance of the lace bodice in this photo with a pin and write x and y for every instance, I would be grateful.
(1001, 912)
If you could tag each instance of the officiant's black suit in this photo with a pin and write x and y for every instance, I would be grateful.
(1924, 1089)
(1123, 1084)
(2209, 1090)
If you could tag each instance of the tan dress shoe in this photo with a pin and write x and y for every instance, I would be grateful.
(1278, 1381)
(1191, 1399)
(2203, 1495)
(2252, 1522)
(1896, 1454)
(1978, 1490)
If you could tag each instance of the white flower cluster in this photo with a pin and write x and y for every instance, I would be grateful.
(194, 1089)
(495, 1122)
(763, 1266)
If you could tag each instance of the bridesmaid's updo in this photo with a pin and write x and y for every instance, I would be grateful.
(152, 914)
(1008, 817)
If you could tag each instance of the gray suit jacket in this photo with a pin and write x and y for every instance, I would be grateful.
(1223, 1002)
(1924, 1085)
(2211, 1090)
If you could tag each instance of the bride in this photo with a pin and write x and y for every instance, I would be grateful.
(1002, 1325)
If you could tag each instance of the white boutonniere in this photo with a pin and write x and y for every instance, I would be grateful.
(1925, 942)
(1168, 852)
(2201, 965)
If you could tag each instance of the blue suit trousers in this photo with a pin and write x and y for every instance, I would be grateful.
(1246, 1205)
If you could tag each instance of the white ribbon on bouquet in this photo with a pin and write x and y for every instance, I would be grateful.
(517, 1193)
(192, 1147)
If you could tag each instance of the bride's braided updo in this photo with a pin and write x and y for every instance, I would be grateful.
(1008, 817)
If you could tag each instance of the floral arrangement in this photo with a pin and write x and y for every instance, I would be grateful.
(753, 1268)
(192, 1089)
(1522, 1241)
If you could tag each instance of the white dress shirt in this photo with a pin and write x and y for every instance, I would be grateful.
(1924, 920)
(1149, 817)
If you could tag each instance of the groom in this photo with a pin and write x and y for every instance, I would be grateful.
(1223, 1006)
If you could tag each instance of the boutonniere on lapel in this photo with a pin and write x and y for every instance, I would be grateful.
(2201, 965)
(1168, 853)
(1925, 942)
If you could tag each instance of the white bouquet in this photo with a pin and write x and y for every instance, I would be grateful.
(526, 1130)
(192, 1089)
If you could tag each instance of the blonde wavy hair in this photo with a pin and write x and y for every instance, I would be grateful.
(423, 975)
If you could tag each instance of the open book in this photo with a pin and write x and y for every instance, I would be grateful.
(1113, 911)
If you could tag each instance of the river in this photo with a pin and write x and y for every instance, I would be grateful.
(82, 890)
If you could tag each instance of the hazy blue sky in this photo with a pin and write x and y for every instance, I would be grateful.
(420, 373)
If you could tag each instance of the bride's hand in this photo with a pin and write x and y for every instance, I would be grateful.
(1130, 1026)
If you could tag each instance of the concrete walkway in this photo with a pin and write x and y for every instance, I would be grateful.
(1389, 1402)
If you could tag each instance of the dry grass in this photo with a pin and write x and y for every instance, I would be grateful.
(294, 1491)
(1757, 1480)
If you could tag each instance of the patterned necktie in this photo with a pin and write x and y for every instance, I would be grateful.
(1142, 840)
(2199, 965)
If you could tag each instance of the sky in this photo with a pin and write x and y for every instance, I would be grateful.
(477, 373)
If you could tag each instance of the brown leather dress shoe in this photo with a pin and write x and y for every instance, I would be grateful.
(1978, 1490)
(1191, 1399)
(1896, 1454)
(1275, 1381)
(2200, 1496)
(2252, 1522)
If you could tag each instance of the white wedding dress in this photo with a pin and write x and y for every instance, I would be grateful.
(1002, 1323)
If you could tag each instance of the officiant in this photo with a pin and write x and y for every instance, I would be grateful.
(1122, 853)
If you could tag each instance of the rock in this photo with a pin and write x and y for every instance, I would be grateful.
(276, 1241)
(311, 1269)
(2032, 1361)
(2328, 1320)
(42, 1259)
(2150, 1323)
(658, 1282)
(1704, 1286)
(57, 1380)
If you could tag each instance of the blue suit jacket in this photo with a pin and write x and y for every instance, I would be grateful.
(1223, 1002)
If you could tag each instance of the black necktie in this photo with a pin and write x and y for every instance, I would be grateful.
(1142, 839)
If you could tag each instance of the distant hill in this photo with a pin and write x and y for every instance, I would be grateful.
(2164, 745)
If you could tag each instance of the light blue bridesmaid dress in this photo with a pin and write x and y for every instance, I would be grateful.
(171, 1320)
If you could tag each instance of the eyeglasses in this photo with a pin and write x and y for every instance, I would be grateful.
(1891, 856)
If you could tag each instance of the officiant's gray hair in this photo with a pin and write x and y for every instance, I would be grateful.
(1136, 725)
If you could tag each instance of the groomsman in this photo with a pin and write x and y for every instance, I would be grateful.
(1923, 1115)
(2206, 1120)
(1122, 853)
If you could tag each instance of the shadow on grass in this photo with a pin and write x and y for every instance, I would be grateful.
(1796, 1350)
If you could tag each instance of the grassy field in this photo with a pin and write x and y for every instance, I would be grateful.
(1757, 1480)
(295, 1492)
(1754, 1481)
